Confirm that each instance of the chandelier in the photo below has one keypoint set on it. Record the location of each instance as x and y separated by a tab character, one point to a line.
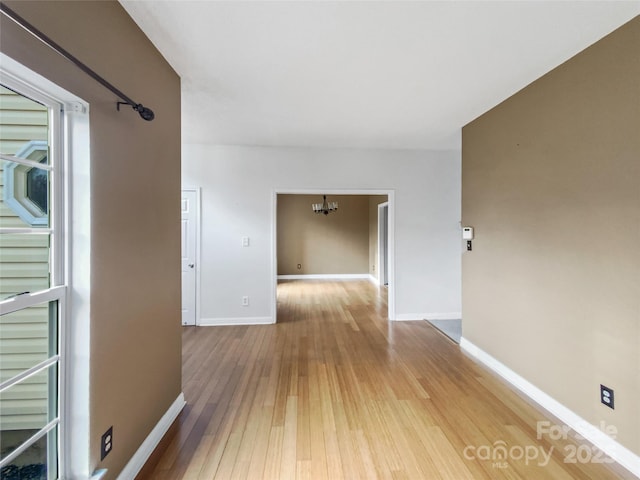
324	207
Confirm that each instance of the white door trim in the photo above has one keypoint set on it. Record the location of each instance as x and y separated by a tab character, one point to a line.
382	266
198	192
391	300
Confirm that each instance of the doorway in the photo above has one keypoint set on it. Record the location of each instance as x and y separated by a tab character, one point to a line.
387	249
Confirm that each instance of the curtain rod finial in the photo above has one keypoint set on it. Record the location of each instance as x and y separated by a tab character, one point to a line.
146	113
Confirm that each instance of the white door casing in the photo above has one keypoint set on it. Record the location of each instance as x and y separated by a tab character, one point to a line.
383	243
189	224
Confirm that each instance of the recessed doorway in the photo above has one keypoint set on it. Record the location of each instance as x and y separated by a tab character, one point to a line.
340	245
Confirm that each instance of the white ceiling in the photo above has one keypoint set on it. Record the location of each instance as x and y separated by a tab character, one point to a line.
360	74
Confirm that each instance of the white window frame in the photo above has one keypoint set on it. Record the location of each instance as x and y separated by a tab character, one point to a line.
70	254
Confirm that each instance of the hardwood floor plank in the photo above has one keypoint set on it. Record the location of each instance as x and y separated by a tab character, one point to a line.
336	391
228	457
325	420
386	453
261	443
351	463
288	464
397	433
274	454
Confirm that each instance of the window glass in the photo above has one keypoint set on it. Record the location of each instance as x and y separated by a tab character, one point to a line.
27	407
29	392
22	120
24	133
27	338
38	189
24	263
36	462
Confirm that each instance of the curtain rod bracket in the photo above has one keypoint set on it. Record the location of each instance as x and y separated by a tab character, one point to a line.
146	113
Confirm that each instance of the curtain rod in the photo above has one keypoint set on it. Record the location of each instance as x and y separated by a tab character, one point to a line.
145	113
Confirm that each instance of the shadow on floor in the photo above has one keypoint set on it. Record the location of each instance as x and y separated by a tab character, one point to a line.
451	328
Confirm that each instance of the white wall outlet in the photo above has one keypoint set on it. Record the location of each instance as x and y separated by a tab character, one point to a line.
245	301
245	241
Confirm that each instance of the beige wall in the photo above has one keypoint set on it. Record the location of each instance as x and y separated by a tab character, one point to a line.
337	243
135	186
374	201
550	183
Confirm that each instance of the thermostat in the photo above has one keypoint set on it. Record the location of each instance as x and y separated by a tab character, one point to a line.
467	233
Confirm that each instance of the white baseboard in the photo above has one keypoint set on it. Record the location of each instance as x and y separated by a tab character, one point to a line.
374	280
143	453
407	317
219	322
326	276
591	433
443	316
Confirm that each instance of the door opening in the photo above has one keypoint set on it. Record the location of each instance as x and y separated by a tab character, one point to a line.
292	266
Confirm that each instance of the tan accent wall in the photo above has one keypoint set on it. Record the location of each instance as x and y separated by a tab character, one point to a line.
374	201
337	243
550	181
135	199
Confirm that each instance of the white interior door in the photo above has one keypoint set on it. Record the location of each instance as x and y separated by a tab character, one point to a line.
189	215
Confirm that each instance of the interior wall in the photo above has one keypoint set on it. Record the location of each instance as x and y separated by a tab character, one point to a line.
550	183
135	363
236	204
337	243
374	201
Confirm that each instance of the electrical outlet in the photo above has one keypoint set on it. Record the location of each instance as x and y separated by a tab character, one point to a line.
106	443
245	301
606	396
299	266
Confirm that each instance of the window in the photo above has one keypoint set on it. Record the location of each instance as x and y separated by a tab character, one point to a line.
44	141
32	281
26	190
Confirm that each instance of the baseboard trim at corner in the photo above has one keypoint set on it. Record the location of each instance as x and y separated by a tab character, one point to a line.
143	453
374	280
443	316
221	322
589	432
408	317
326	276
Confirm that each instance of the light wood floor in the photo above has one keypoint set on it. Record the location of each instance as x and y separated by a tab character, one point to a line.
334	390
